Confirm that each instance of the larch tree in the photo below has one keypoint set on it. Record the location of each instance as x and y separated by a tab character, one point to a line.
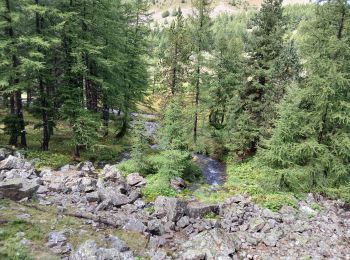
201	38
311	142
258	97
10	82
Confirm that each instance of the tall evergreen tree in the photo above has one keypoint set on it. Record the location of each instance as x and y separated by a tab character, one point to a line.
200	32
311	142
176	55
258	96
11	86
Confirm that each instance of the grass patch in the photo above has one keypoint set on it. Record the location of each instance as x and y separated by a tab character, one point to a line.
107	149
211	215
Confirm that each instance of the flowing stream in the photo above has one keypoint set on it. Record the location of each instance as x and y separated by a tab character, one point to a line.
214	172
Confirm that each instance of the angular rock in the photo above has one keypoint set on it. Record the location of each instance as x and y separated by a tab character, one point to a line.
111	172
155	227
57	242
183	222
12	162
17	189
86	167
4	153
212	244
135	225
87	184
178	183
135	179
172	208
118	244
199	210
113	197
256	224
92	197
90	251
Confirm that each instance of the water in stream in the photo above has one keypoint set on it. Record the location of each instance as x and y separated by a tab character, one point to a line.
214	172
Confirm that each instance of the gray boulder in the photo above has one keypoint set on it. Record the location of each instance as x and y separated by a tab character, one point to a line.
86	167
118	244
135	225
113	197
12	162
199	210
90	251
155	227
57	242
17	189
135	179
178	183
111	172
172	208
4	153
92	197
211	244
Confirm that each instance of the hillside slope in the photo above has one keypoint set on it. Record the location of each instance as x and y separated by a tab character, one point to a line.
159	7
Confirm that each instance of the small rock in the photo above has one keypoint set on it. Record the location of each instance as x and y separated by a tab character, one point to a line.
155	227
135	225
118	244
135	179
111	172
183	222
57	242
178	183
92	197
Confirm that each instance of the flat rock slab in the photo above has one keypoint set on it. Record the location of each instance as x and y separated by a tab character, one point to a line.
17	189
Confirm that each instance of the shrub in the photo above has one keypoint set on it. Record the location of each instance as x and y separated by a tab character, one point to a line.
157	185
171	163
165	14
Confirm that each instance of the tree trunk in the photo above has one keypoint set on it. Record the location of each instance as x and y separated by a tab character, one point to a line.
19	113
13	136
195	127
77	151
105	116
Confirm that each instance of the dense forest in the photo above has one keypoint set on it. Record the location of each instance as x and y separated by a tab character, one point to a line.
266	91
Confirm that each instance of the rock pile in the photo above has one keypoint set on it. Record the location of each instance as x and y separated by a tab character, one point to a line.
175	228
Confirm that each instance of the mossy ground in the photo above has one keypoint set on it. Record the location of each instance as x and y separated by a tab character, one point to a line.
107	149
37	227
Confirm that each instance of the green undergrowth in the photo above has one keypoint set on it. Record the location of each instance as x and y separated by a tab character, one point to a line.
41	223
263	185
106	149
159	168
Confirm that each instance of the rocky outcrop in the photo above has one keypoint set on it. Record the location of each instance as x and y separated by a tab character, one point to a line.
171	208
176	228
90	250
211	244
17	189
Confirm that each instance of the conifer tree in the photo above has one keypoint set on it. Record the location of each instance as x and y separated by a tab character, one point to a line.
311	142
258	97
176	55
200	32
10	82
